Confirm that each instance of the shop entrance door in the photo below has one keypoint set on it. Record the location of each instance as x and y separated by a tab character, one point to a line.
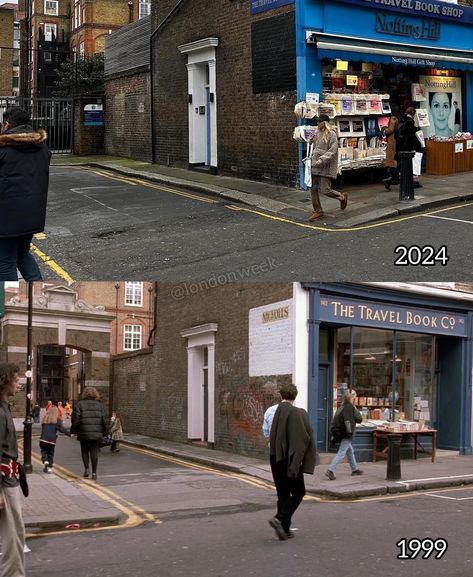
449	393
323	412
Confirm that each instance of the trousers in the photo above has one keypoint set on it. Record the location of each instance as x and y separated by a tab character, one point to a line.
15	254
12	534
290	491
325	185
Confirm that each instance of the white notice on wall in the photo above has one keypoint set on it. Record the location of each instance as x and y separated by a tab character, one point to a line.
458	146
271	339
469	144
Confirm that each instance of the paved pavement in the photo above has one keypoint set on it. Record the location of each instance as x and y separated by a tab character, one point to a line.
449	469
368	202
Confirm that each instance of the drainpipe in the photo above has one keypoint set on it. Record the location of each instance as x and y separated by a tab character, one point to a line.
152	333
151	66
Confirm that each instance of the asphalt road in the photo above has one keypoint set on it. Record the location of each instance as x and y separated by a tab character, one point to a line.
101	226
214	525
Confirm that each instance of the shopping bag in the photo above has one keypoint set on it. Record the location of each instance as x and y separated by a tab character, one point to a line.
417	164
308	166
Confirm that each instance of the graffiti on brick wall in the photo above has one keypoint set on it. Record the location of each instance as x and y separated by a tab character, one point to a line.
172	409
243	407
227	366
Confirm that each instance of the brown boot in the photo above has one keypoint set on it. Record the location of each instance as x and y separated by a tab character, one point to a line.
315	215
344	201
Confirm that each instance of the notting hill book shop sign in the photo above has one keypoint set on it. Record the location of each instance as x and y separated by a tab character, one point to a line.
459	13
386	316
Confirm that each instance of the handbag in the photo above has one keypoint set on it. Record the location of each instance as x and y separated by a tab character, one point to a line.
23	480
106	441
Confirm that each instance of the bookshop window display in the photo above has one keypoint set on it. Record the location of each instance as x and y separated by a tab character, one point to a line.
392	372
359	98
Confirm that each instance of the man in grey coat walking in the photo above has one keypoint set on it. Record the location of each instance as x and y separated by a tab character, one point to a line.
324	166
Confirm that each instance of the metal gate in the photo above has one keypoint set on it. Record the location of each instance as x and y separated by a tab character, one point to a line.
55	115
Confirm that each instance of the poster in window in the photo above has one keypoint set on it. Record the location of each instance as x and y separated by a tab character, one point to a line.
443	104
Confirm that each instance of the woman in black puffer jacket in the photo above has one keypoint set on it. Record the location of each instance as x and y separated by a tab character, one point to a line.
90	424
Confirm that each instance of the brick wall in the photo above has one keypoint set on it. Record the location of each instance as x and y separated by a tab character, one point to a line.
88	140
127	118
240	401
254	130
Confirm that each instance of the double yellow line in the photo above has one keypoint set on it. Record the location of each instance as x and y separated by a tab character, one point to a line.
133	514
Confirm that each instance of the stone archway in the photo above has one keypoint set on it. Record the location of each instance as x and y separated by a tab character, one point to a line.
60	320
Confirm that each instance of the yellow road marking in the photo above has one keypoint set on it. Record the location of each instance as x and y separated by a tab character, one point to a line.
138	181
52	264
351	229
135	515
40	236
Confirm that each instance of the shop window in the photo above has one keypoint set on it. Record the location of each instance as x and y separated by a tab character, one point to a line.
415	376
393	373
324	346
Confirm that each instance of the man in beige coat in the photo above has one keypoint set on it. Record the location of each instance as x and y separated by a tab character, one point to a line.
324	166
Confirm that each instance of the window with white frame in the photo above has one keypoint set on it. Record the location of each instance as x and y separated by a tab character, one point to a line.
51	7
131	337
50	30
134	294
144	8
81	49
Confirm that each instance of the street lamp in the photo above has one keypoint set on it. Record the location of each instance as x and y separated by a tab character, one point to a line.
28	421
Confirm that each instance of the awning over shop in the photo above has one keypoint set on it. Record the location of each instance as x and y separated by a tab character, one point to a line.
351	48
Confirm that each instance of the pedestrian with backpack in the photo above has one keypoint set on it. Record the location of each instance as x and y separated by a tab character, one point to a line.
342	428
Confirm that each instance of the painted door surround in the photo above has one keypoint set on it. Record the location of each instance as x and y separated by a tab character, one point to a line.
200	338
201	74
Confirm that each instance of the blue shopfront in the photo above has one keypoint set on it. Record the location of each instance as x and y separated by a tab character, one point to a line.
407	356
418	52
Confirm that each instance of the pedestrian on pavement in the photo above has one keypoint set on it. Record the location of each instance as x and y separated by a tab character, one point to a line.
390	162
407	140
35	413
60	411
12	530
291	454
348	416
116	432
324	166
49	404
24	180
68	408
89	423
51	425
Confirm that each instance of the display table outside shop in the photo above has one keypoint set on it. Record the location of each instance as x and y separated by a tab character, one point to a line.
445	157
369	162
378	434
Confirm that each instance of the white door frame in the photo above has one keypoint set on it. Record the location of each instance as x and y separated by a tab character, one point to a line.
201	54
198	338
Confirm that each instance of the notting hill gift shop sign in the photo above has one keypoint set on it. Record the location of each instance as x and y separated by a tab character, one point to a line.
443	10
386	316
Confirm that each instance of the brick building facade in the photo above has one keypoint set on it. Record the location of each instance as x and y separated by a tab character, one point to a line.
6	55
127	98
70	340
224	89
158	391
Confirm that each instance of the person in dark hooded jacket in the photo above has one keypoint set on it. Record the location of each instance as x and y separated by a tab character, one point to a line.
24	180
90	424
